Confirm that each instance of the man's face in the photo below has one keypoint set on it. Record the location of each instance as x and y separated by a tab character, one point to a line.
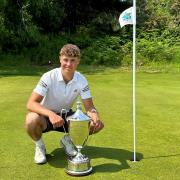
69	64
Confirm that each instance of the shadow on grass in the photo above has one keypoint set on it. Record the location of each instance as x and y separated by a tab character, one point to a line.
165	156
23	70
38	70
58	158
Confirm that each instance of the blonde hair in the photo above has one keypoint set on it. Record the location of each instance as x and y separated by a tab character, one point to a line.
70	50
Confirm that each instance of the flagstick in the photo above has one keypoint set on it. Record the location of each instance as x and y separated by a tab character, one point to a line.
134	78
129	17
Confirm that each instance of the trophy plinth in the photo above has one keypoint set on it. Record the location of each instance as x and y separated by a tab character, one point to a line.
79	165
78	132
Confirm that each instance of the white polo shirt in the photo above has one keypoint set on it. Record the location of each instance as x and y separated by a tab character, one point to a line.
57	94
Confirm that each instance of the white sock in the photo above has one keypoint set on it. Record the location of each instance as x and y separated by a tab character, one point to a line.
39	142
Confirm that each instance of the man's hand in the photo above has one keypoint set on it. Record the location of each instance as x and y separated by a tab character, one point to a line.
94	128
56	120
96	124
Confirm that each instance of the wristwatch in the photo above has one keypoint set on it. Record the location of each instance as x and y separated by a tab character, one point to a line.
93	110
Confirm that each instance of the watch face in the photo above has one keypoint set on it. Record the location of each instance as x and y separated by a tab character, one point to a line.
93	110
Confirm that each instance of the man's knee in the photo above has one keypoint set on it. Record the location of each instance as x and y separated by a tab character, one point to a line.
32	119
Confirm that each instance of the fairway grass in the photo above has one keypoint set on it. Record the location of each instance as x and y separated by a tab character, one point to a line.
158	134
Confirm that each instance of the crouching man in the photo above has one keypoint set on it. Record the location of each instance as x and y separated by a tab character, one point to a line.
58	89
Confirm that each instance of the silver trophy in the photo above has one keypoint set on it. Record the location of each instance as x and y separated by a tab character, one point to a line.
78	164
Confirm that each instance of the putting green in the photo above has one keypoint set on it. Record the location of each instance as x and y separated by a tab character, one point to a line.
158	123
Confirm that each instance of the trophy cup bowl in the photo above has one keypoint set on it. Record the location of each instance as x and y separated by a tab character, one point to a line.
78	132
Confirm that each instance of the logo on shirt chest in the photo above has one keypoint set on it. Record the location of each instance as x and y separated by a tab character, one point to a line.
75	91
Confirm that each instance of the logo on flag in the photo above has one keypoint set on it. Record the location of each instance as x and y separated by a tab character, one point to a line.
127	17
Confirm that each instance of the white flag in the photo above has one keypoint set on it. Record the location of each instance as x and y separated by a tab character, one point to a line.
127	17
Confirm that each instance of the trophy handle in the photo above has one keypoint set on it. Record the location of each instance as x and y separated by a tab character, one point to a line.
89	138
65	112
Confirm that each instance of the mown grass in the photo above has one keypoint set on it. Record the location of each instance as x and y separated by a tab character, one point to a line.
158	140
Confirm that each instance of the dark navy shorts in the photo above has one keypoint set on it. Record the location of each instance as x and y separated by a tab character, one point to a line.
60	129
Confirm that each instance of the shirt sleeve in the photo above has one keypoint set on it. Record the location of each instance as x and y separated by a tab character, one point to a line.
85	91
43	85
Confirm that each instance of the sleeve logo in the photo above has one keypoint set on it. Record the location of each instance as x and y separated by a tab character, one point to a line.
86	88
42	83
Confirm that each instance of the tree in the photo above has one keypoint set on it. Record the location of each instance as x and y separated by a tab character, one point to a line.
48	15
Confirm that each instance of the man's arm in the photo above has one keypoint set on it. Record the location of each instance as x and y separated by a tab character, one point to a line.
93	114
34	105
90	109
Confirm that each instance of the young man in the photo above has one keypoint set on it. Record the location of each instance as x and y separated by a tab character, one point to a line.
58	89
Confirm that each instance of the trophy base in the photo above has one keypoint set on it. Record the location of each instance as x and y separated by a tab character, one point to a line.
80	173
79	166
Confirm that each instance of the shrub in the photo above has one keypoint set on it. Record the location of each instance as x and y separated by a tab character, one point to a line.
105	51
155	50
149	50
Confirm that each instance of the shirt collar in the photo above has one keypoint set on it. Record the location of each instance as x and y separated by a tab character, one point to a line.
60	77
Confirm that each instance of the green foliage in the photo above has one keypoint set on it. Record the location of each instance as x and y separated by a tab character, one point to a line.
161	15
155	50
47	50
48	14
103	23
38	29
3	31
83	37
148	51
17	30
104	51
